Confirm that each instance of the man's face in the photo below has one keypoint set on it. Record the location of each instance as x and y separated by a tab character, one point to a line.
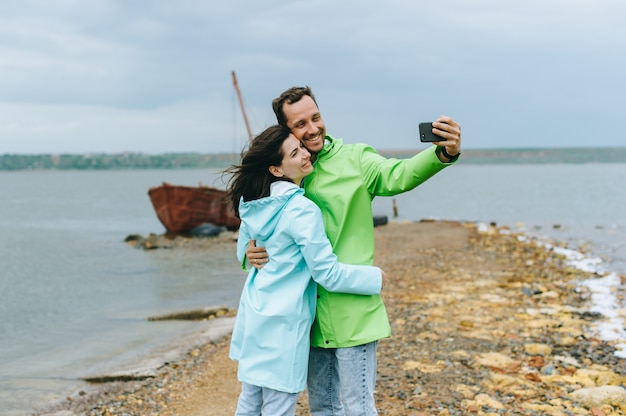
305	122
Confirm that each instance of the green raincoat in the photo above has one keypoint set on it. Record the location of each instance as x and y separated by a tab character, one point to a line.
343	184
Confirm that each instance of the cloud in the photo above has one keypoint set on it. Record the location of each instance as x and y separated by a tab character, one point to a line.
120	72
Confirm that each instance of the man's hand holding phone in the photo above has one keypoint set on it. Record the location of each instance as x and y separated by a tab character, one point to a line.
445	133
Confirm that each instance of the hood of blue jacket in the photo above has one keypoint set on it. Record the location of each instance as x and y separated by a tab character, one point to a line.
261	216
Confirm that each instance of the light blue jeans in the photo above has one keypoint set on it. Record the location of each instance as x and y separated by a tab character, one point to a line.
341	381
261	401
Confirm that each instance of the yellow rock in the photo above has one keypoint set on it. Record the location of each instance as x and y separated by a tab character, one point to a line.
494	359
543	323
485	400
584	380
569	321
424	367
569	380
429	336
504	380
599	396
558	403
550	295
538	349
567	360
543	311
571	329
601	377
411	365
468	392
544	408
524	392
460	354
493	298
567	340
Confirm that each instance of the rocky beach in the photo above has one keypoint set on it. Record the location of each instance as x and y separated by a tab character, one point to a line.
484	322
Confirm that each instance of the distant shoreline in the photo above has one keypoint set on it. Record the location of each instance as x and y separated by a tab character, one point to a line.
128	160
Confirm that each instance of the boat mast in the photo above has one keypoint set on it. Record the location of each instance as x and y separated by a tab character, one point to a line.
243	110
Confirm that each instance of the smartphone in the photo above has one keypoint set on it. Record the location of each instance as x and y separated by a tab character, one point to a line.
427	135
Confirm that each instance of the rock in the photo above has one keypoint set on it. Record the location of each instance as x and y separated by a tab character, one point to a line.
548	370
206	230
151	242
193	315
601	376
496	360
538	349
599	396
380	220
485	400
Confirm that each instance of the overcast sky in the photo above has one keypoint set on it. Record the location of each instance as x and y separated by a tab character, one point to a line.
155	76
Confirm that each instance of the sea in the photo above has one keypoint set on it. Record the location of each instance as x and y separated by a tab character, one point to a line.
74	297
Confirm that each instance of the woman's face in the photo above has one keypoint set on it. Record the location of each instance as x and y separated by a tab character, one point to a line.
296	163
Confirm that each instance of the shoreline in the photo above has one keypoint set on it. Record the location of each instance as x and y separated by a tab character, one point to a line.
480	320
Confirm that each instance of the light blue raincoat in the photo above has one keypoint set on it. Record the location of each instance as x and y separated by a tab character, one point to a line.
271	337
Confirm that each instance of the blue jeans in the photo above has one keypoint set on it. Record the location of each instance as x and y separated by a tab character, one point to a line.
257	401
341	381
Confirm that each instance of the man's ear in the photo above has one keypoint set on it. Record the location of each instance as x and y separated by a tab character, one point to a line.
276	171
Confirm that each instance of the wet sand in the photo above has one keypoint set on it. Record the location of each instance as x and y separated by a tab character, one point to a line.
482	323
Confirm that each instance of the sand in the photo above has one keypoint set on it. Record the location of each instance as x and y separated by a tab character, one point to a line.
482	322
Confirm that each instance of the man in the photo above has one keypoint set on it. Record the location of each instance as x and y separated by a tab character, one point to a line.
345	334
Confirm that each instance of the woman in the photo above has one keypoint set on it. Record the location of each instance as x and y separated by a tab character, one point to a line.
271	334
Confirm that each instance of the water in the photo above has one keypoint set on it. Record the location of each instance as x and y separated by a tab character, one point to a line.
580	204
74	296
